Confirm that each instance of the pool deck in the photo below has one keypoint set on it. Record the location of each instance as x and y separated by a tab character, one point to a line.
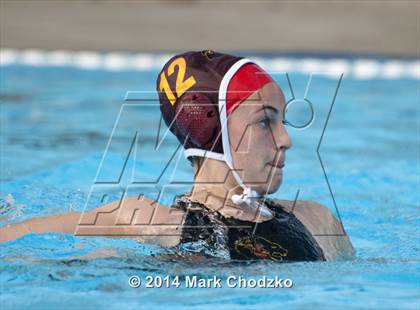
372	27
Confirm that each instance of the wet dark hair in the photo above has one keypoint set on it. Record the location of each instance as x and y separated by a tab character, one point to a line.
195	160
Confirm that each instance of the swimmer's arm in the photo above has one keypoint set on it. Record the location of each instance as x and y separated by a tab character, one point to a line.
159	224
57	223
323	225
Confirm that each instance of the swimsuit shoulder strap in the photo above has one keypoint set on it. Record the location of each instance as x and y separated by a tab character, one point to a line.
275	206
182	202
203	230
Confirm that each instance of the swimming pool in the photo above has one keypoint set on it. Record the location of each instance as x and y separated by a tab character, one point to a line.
55	125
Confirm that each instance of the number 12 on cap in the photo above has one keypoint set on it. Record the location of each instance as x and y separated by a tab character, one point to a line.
181	85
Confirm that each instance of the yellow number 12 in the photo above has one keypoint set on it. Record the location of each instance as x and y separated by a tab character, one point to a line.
181	85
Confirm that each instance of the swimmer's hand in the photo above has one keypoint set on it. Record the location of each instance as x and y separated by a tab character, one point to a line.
136	218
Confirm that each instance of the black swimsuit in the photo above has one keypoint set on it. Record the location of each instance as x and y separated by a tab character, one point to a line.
283	238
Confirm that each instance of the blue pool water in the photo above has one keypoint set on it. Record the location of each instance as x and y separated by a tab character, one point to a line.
55	126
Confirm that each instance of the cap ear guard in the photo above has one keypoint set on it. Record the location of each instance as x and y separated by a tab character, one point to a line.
197	119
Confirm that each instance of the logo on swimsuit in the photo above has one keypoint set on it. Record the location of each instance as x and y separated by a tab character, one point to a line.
260	247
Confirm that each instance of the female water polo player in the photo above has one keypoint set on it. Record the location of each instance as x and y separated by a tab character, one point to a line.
228	114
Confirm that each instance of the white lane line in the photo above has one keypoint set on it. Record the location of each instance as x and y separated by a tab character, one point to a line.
361	69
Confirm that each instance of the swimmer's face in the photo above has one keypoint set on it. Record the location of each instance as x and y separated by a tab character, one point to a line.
259	139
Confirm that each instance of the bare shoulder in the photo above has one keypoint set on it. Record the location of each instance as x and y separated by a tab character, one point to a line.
323	225
139	218
138	210
313	212
303	206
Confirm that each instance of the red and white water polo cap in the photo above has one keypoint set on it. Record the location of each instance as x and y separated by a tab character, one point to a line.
197	92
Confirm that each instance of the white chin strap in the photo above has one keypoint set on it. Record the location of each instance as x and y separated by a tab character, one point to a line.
248	195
